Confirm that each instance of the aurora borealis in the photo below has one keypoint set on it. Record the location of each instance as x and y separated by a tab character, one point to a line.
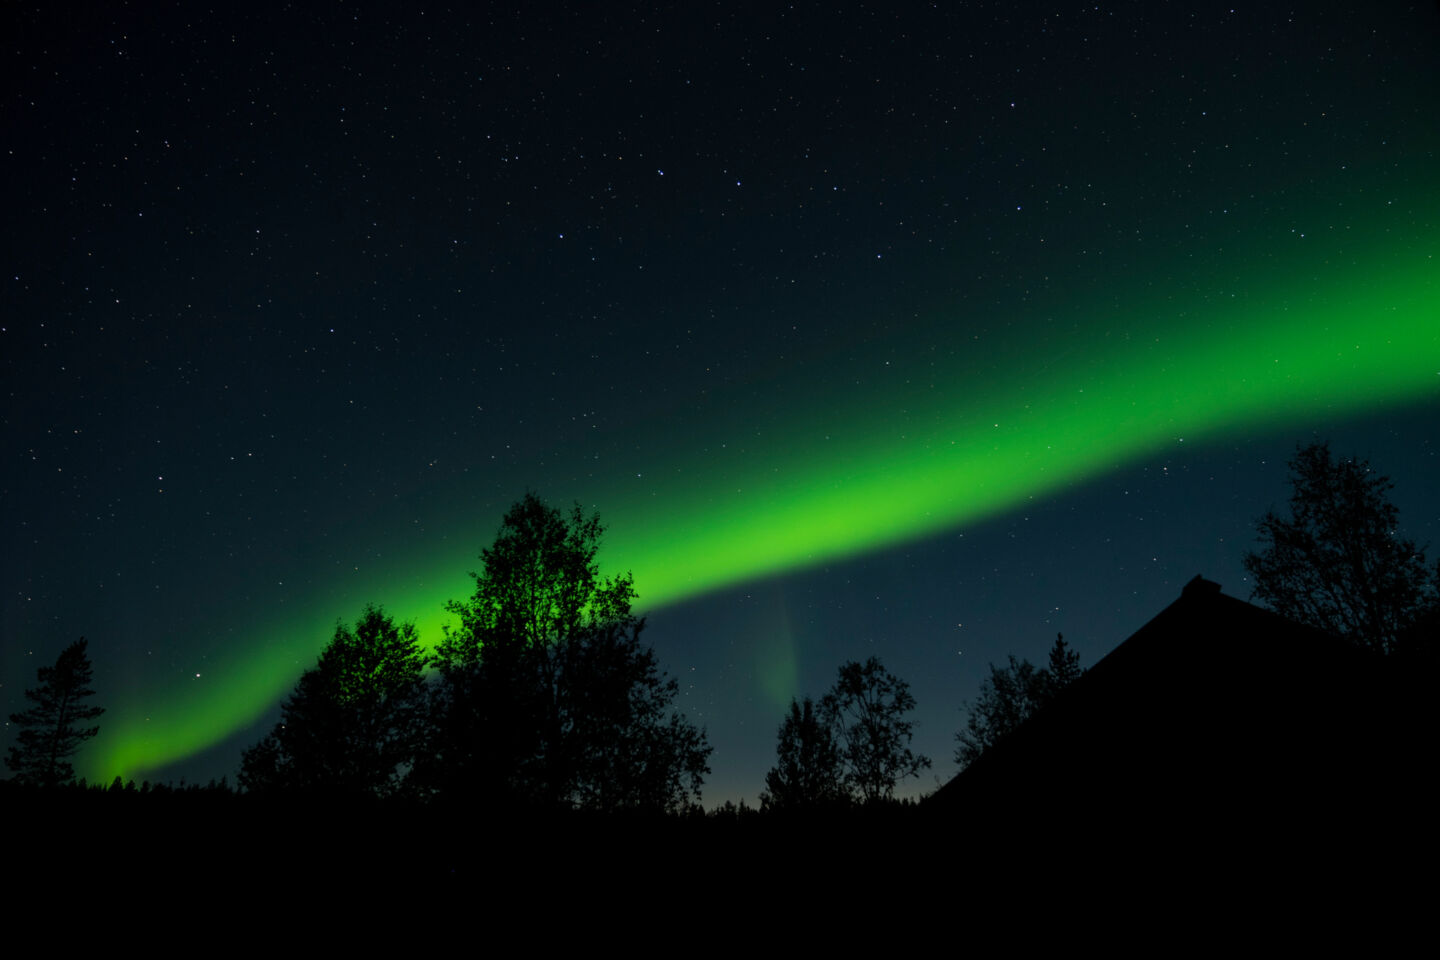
1012	318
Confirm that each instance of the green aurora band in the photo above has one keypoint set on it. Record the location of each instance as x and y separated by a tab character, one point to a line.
1337	340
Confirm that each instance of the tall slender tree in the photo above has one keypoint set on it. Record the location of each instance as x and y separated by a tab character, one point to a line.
807	774
1064	666
867	710
55	727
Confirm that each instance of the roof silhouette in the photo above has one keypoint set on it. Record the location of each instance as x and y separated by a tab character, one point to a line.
1215	713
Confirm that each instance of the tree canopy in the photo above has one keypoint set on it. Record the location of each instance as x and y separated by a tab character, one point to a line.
1010	696
866	710
54	728
1338	563
808	774
355	724
549	698
539	585
626	748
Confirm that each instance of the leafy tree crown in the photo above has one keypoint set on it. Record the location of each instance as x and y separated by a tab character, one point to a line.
539	584
549	699
1010	696
808	774
1338	563
867	710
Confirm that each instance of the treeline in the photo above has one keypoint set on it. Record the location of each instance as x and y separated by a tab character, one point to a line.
544	700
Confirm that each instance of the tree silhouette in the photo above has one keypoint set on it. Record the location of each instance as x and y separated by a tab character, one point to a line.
866	712
52	730
808	774
540	586
548	696
1064	667
1337	563
624	747
355	723
1010	696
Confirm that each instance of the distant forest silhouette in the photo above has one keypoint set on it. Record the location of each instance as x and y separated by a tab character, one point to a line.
543	726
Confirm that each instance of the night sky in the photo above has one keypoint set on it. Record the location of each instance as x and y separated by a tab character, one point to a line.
917	331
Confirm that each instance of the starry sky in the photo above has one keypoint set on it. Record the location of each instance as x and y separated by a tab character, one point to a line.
922	331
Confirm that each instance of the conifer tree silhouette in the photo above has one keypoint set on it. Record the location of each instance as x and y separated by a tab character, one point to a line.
355	723
53	729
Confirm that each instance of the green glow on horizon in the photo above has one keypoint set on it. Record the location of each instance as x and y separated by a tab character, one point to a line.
1359	339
